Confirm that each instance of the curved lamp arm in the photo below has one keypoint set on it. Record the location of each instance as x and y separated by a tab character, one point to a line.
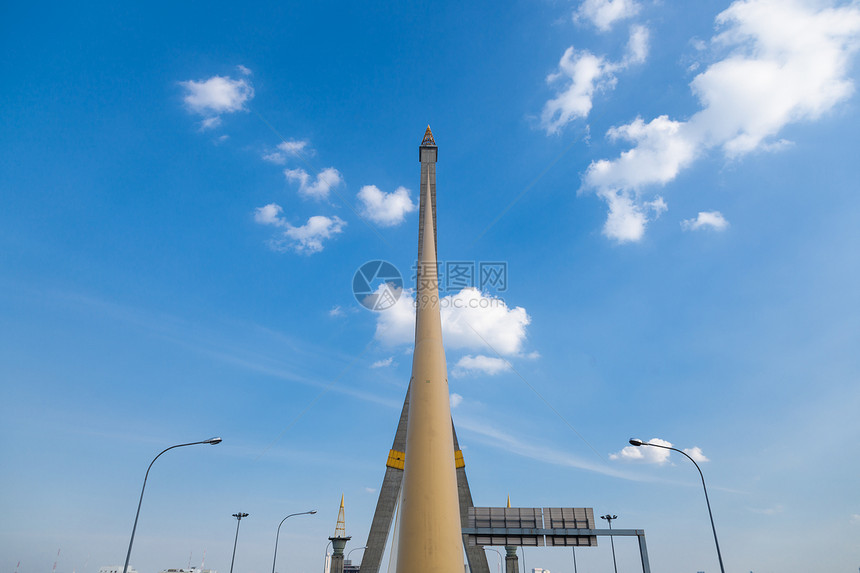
212	441
636	442
278	534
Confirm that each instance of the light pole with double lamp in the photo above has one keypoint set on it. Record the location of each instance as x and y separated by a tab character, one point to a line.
609	519
311	512
636	442
238	517
212	441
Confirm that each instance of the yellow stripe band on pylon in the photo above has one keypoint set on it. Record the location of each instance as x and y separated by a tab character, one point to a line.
396	459
458	459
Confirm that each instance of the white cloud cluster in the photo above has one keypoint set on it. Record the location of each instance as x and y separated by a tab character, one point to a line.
385	363
307	239
319	187
385	209
489	365
788	61
644	453
584	74
216	96
706	220
455	400
471	320
287	149
655	455
604	13
696	454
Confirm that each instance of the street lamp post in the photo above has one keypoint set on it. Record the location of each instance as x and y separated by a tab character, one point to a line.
238	517
311	512
499	553
325	560
636	442
609	519
354	549
212	441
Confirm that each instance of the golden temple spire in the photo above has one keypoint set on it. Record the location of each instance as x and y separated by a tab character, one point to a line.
428	138
340	528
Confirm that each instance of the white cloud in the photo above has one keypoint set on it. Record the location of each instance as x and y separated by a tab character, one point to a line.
396	325
644	453
479	364
244	71
307	239
270	215
336	311
319	188
275	157
584	74
293	146
370	489
696	454
455	400
604	13
210	123
706	220
385	209
627	217
217	95
637	46
383	363
787	61
855	518
470	321
286	149
473	320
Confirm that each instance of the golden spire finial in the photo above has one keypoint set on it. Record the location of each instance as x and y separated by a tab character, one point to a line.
509	501
428	137
340	528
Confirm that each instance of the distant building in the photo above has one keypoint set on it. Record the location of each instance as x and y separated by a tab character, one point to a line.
192	570
348	567
539	570
116	569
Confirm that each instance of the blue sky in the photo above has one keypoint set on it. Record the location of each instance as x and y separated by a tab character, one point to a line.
187	190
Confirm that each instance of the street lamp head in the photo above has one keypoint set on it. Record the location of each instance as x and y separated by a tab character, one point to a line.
636	442
313	511
213	441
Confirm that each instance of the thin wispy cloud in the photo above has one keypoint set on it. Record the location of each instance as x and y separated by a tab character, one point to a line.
786	61
384	363
489	435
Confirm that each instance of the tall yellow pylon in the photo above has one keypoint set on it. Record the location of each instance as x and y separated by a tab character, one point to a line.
430	535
